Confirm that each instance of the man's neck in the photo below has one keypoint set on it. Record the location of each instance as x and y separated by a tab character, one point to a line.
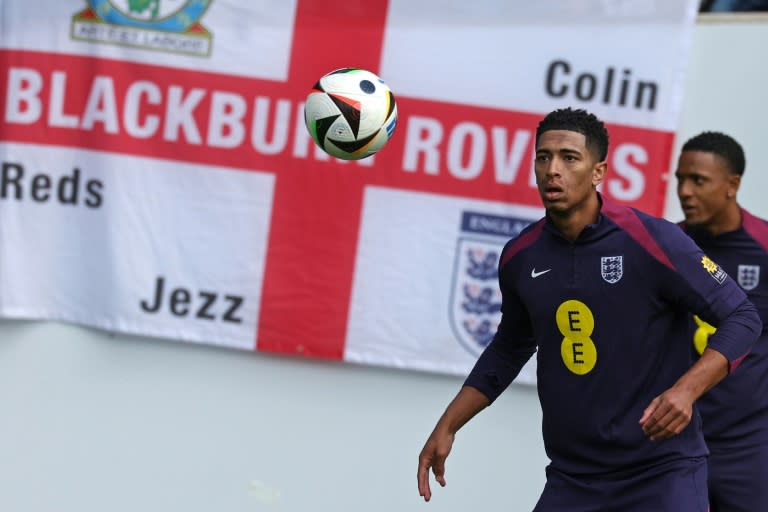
730	220
571	223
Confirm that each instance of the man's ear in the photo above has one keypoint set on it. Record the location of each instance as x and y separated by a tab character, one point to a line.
734	181
598	172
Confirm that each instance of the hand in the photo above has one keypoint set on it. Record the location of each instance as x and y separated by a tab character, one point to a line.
667	414
433	456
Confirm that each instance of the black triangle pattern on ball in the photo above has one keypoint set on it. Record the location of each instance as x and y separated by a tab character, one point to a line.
322	125
391	104
342	70
350	113
353	145
318	86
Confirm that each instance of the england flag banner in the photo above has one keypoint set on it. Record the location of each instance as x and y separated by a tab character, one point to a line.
157	177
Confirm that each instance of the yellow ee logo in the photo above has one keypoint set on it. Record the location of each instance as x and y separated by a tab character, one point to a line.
576	323
701	336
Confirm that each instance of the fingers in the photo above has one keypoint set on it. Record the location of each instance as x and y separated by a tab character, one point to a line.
662	419
439	470
648	412
422	478
656	427
433	457
437	464
674	427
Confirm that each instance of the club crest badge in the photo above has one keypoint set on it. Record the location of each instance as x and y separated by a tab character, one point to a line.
475	303
164	25
612	268
748	276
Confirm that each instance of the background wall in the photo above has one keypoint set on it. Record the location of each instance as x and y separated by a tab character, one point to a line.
726	91
100	422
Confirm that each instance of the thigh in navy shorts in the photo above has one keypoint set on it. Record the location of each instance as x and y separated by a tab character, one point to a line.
679	486
738	478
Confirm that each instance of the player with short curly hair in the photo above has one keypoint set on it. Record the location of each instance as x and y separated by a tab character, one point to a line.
602	293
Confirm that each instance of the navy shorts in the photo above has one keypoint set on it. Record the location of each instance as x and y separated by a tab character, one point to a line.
679	486
738	478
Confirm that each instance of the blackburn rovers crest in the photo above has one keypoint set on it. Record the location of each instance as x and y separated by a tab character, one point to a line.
165	25
612	268
748	276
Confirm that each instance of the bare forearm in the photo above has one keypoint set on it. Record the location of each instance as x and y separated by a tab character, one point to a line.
710	369
467	403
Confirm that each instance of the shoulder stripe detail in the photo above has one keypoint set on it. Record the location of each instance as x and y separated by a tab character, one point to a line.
523	241
756	227
626	218
732	365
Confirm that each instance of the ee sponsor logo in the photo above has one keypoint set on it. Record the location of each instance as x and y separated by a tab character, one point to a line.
576	323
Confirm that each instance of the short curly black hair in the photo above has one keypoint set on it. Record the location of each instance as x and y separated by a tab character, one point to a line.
723	146
581	121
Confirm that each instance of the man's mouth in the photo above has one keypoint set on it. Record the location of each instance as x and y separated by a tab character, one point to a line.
552	191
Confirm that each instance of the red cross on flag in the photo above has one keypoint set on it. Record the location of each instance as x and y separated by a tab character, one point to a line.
157	177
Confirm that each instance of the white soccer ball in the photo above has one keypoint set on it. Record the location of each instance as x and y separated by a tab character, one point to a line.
350	113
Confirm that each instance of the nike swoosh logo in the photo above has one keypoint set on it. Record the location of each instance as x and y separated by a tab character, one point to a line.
535	274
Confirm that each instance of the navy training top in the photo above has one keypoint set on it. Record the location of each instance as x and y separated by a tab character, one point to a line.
736	410
608	314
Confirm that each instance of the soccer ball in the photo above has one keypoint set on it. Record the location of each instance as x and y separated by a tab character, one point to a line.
350	113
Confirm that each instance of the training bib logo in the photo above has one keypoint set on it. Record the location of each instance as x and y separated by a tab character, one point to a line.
165	25
576	323
717	273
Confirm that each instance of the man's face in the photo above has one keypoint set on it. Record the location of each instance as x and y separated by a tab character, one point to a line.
566	171
705	187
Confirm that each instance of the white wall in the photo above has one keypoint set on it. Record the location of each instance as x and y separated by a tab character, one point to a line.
94	422
727	91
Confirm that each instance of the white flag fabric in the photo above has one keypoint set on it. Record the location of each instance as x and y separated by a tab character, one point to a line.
156	176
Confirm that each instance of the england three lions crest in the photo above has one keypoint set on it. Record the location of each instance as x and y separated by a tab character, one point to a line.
612	268
475	302
475	295
748	276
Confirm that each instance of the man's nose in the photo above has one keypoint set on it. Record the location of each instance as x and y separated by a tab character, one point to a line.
555	167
